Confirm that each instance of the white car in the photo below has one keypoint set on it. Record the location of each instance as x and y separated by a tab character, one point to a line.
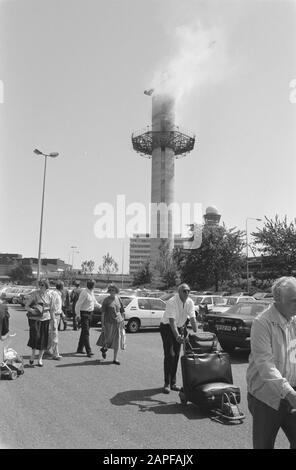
207	300
142	312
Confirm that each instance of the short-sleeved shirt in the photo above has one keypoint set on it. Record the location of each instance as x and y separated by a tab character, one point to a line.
179	311
40	298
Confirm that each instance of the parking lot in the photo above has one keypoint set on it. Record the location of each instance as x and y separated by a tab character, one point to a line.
89	403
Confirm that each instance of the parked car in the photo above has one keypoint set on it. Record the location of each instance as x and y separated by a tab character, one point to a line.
97	313
234	326
206	300
10	293
25	295
19	296
142	312
167	295
230	301
263	295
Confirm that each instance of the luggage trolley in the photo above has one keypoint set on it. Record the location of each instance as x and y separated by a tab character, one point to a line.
207	379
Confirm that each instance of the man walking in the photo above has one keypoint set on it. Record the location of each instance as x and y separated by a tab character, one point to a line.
172	326
271	375
83	309
56	312
73	298
65	308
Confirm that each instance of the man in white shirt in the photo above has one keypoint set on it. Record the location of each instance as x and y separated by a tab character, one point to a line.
271	375
179	308
56	312
83	309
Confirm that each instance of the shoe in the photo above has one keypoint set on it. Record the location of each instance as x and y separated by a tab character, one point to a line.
103	351
57	358
40	364
31	362
90	354
116	362
175	388
166	389
79	352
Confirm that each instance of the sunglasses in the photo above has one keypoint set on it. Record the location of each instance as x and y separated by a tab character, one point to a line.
186	291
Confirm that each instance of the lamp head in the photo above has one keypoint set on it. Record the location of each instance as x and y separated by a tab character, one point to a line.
38	152
53	154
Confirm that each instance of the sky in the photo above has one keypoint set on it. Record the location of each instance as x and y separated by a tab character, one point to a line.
73	73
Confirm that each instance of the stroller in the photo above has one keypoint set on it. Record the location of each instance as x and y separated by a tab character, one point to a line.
12	364
207	378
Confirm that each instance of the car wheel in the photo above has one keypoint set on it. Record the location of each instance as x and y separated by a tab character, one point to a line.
227	347
133	325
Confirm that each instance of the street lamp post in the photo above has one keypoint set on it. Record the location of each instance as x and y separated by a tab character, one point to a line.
247	252
52	155
122	263
73	248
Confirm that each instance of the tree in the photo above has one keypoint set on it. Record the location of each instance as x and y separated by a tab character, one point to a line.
143	276
166	268
109	266
87	266
217	261
276	241
22	274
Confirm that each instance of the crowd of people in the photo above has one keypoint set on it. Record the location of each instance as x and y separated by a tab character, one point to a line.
47	312
271	374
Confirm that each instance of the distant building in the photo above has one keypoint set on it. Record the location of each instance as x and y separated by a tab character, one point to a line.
8	261
49	266
140	250
140	244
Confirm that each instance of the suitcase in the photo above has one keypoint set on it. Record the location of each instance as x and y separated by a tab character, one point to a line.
201	342
208	383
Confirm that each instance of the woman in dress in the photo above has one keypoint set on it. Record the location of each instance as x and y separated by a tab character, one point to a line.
38	307
112	323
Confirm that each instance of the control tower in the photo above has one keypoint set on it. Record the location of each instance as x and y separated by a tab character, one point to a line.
162	142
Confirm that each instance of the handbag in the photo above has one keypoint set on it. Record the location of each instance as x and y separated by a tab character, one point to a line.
101	339
37	310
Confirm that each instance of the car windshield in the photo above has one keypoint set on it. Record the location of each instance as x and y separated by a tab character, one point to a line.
167	296
126	300
100	297
231	301
198	300
247	309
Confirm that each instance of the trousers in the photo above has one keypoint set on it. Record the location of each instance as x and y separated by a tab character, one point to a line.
267	421
84	334
171	349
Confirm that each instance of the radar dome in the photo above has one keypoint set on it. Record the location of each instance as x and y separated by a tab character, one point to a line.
212	210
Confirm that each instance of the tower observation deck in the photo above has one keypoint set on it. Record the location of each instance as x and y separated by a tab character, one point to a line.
178	140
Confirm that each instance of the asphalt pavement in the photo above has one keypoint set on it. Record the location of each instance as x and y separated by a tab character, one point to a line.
90	403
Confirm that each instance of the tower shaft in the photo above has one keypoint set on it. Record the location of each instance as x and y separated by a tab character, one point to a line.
162	174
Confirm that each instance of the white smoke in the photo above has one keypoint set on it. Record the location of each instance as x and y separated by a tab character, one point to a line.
200	57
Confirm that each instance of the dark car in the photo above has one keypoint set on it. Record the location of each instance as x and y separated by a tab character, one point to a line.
97	313
233	327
